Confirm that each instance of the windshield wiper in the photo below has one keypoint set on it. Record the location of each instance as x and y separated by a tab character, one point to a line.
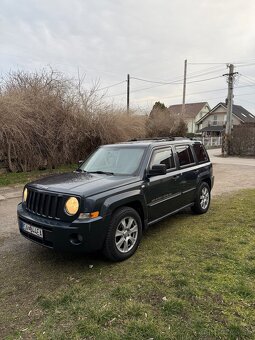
101	172
80	170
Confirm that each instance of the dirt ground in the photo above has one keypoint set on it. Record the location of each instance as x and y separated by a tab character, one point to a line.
231	173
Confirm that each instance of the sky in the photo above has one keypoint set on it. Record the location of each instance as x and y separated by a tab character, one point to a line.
149	39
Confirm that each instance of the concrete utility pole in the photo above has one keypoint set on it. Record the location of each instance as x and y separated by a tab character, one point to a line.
184	87
230	80
128	91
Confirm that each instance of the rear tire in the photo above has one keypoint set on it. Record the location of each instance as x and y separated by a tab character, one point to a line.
203	199
124	234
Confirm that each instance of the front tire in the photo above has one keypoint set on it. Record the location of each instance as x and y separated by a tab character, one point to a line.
124	234
203	199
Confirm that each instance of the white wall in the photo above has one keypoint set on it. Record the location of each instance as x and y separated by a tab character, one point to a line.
221	116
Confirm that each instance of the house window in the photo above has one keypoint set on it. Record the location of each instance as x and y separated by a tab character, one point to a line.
215	120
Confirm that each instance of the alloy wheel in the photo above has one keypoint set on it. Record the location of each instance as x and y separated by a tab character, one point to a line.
126	234
204	198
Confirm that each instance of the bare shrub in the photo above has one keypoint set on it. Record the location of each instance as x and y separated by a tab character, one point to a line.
162	123
243	140
35	114
47	120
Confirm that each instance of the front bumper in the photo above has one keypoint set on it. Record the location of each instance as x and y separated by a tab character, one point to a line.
60	235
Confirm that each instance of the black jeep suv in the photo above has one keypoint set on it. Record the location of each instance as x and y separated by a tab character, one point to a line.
114	195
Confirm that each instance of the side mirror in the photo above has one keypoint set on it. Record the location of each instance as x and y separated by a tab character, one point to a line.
157	169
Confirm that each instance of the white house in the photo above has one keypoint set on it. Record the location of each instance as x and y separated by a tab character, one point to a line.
192	114
213	123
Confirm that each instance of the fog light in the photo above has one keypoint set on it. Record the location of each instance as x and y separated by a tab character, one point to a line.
76	239
79	237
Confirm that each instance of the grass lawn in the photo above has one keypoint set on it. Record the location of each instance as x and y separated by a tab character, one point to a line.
13	178
192	278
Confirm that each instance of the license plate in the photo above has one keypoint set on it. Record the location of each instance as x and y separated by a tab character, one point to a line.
33	230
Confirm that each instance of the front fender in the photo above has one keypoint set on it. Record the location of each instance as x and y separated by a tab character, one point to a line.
122	199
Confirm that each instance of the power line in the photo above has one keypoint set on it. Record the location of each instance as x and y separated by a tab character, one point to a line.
173	83
176	96
251	80
217	69
225	63
208	63
162	83
108	87
117	95
178	82
198	81
245	65
244	94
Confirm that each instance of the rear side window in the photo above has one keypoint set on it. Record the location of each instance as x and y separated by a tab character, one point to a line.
164	156
200	153
185	155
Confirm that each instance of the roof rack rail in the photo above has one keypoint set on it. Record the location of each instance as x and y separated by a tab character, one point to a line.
157	139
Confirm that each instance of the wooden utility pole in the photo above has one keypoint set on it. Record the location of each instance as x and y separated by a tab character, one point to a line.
184	87
128	91
230	81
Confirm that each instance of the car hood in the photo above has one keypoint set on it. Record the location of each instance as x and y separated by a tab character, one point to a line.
84	184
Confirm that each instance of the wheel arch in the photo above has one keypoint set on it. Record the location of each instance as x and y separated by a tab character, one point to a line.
208	181
135	201
138	207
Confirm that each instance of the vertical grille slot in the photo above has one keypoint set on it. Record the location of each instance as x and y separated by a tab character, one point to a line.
53	209
33	201
47	205
37	202
29	199
44	204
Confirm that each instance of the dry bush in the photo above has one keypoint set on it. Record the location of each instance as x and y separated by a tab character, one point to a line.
34	117
47	120
162	123
243	140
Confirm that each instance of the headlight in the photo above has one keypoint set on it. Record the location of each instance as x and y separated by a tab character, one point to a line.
72	206
25	193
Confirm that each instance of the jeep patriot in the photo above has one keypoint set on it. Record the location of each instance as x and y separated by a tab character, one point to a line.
115	195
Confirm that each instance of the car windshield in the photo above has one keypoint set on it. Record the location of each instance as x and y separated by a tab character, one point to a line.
114	160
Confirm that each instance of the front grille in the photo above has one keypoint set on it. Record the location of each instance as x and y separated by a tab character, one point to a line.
44	204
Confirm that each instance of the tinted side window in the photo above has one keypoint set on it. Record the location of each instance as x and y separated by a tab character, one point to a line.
200	153
164	156
185	155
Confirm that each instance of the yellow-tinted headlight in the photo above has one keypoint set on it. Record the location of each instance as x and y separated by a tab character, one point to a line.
25	193
72	206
